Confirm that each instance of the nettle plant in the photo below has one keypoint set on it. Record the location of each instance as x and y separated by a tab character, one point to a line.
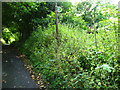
104	74
104	68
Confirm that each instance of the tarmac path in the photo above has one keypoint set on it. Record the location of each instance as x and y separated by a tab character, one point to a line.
14	74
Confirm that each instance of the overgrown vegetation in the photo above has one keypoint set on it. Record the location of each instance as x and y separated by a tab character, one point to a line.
86	53
74	62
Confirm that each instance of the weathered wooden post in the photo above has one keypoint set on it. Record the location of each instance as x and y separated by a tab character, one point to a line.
56	12
56	17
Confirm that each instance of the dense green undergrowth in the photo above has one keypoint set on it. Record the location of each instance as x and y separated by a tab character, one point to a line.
76	60
82	57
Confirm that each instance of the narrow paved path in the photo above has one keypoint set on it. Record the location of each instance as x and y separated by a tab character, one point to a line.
14	74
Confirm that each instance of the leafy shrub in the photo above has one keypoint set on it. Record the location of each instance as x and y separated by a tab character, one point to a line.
73	20
72	62
9	35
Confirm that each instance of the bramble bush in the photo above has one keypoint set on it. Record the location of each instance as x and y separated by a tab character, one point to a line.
74	61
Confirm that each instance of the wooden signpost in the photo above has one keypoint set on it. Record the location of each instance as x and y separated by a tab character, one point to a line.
56	12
